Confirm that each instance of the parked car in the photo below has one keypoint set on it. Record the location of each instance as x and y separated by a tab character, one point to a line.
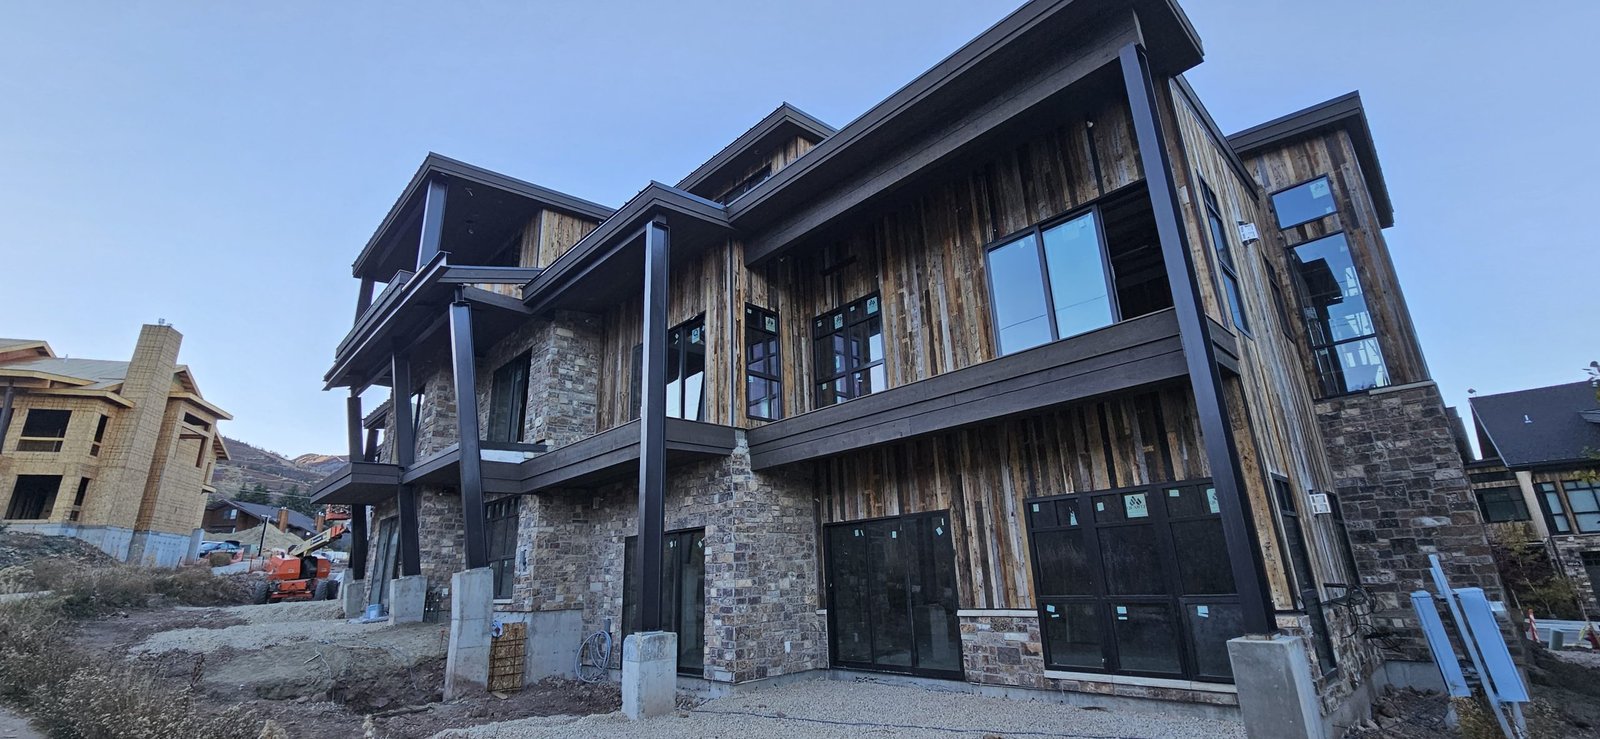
207	547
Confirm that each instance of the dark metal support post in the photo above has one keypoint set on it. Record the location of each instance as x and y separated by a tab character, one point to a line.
364	298
5	413
358	513
372	453
464	367
653	428
405	452
432	221
1205	375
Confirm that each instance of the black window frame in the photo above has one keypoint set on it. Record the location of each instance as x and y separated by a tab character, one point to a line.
1512	497
1036	232
1228	271
677	357
1297	546
1041	519
1272	197
508	400
503	517
1554	506
847	322
671	590
42	437
1592	489
761	327
1320	342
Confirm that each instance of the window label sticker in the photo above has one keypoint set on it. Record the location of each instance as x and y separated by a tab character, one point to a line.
894	534
1319	189
1072	518
1035	507
872	306
1050	609
838	321
1211	500
1174	493
772	324
938	531
1122	613
1202	611
1099	505
1135	505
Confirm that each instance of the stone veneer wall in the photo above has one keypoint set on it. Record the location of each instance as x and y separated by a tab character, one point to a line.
563	377
1570	549
760	551
1404	492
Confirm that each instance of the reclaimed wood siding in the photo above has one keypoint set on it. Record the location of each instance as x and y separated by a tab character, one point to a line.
698	284
549	234
983	474
778	158
1333	154
925	253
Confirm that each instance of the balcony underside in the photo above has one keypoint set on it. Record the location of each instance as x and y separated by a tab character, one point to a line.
1134	353
609	456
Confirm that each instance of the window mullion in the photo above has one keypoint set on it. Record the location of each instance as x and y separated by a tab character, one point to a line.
1044	278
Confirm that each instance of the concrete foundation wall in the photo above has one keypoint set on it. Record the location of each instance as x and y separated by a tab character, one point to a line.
159	548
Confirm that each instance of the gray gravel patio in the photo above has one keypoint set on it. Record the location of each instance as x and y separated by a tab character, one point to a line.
839	708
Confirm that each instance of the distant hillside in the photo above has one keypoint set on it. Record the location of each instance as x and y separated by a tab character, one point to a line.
250	466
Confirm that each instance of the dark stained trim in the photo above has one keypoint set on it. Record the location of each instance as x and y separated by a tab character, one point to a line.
405	452
1199	352
404	208
1134	353
623	228
1220	139
469	275
356	483
1344	112
464	372
652	524
939	141
611	455
433	204
781	123
358	541
378	310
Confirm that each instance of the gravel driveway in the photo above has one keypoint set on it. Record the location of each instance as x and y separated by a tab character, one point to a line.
837	708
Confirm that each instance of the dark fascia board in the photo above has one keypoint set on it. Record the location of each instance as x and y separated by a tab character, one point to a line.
617	447
1343	112
1163	23
1217	136
785	121
615	232
438	164
357	482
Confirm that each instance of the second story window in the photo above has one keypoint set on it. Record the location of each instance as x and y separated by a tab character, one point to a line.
1224	249
763	382
1303	203
419	400
1581	511
1050	284
849	352
44	430
99	436
1343	339
686	371
508	400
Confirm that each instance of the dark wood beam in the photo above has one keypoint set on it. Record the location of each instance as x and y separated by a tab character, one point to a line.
464	367
364	298
1205	376
432	221
405	452
653	427
358	513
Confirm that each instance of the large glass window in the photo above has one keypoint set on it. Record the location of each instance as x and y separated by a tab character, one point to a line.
1305	202
508	400
1224	248
892	595
1554	509
1135	581
44	430
1051	283
849	352
502	520
1583	498
763	382
686	370
1338	324
1502	504
683	594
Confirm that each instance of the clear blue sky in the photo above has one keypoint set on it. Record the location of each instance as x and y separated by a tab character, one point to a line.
219	165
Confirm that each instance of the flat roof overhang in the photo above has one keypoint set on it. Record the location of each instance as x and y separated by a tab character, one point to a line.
357	483
1135	353
1343	112
482	208
607	266
967	101
412	316
613	455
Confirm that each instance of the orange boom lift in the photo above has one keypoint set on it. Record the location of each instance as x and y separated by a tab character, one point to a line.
301	574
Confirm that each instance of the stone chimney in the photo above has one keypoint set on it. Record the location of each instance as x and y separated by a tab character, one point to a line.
131	448
283	519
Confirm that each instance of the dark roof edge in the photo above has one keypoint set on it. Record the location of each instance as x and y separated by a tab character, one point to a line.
784	115
439	164
1344	111
952	67
621	225
1215	131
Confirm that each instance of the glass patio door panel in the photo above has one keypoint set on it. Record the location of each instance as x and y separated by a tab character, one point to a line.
683	594
892	595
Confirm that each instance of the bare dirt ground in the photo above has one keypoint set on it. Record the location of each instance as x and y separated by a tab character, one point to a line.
306	669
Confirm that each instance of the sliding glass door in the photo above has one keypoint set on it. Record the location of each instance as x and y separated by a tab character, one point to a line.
892	595
683	595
